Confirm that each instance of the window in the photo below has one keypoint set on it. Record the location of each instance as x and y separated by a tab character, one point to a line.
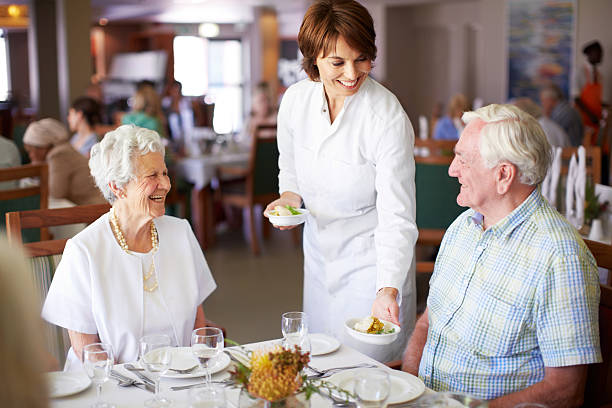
212	68
4	79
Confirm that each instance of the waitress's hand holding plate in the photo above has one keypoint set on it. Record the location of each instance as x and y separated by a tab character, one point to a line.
286	216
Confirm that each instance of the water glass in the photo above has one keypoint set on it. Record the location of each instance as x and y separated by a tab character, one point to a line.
156	358
372	388
98	361
206	344
294	326
211	396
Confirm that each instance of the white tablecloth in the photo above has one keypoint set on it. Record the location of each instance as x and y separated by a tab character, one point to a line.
201	170
135	397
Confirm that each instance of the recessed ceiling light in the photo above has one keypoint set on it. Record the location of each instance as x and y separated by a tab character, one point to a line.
208	30
13	10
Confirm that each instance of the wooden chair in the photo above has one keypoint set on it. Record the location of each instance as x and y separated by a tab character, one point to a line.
593	161
255	184
598	390
28	198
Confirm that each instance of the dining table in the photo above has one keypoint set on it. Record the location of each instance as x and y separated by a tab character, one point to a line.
135	397
200	170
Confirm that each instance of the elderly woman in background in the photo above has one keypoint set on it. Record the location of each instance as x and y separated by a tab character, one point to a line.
450	126
46	140
134	271
22	355
83	115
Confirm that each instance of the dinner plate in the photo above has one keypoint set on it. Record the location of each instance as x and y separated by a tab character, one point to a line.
288	220
183	358
379	339
404	387
322	344
64	383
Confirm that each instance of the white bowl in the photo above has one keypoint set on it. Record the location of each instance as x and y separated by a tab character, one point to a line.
370	338
288	220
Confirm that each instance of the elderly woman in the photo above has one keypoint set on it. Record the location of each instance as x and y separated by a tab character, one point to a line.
450	126
345	148
46	140
134	271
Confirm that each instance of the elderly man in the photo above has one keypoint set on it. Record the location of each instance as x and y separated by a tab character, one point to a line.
557	109
513	300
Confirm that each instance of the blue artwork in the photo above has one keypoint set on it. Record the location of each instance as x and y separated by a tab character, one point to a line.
540	45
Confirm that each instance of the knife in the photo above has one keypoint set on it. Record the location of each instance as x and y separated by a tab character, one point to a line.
197	385
143	386
144	378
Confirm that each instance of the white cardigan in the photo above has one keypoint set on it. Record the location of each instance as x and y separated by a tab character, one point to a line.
98	287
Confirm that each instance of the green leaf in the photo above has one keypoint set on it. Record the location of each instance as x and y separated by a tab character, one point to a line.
293	210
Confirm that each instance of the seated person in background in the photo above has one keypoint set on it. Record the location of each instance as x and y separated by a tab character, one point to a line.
134	271
179	113
146	110
83	115
513	300
450	126
22	354
263	111
46	140
557	109
9	157
554	133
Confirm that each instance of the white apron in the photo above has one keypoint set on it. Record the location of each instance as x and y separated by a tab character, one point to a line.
356	177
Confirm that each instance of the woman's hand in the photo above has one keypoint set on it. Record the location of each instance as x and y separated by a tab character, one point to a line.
385	305
287	198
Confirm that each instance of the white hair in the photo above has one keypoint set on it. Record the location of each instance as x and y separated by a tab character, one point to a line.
112	160
514	136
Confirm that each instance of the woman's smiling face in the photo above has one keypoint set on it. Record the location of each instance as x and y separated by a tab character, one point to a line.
146	194
343	70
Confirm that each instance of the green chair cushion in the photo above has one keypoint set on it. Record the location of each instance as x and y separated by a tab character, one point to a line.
436	195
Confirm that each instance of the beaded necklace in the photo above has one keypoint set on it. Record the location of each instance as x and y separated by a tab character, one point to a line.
123	244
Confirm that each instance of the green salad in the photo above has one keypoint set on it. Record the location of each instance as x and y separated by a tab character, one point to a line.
284	211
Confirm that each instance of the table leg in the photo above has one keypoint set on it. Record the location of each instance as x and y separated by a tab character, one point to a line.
202	216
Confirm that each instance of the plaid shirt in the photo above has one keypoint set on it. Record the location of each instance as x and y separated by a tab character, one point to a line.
507	301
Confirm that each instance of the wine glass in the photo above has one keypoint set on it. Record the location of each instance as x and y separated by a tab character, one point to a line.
294	326
98	361
372	388
206	344
212	396
156	357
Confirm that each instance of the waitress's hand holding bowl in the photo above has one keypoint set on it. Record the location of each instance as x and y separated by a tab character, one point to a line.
287	198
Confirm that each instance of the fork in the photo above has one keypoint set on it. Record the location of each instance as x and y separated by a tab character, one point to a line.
184	370
330	371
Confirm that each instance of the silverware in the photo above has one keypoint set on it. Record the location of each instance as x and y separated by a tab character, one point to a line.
331	371
227	382
138	374
234	358
338	401
185	370
124	381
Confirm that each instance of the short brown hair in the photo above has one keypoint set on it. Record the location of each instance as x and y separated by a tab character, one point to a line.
325	21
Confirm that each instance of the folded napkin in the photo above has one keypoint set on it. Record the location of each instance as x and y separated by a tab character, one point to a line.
580	186
570	190
423	128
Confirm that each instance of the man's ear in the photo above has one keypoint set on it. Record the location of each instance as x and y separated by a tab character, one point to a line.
505	175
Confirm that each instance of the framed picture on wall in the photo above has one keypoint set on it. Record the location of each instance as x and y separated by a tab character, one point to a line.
540	45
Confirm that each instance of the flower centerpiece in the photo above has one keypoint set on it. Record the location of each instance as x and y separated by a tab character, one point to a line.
274	378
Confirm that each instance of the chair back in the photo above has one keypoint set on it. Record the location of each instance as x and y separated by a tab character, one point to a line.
46	256
264	161
27	198
598	390
593	161
18	220
436	193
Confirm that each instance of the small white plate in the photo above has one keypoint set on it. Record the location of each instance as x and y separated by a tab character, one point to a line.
62	384
183	358
288	220
322	344
379	339
404	387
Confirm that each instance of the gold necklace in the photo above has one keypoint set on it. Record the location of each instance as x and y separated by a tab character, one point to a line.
123	244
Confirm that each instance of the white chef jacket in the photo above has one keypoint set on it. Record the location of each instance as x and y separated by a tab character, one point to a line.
356	177
98	287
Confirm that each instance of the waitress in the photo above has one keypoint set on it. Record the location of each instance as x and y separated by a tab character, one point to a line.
346	154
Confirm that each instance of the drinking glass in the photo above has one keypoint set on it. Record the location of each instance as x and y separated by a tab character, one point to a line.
212	396
156	357
372	388
98	361
294	326
206	344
